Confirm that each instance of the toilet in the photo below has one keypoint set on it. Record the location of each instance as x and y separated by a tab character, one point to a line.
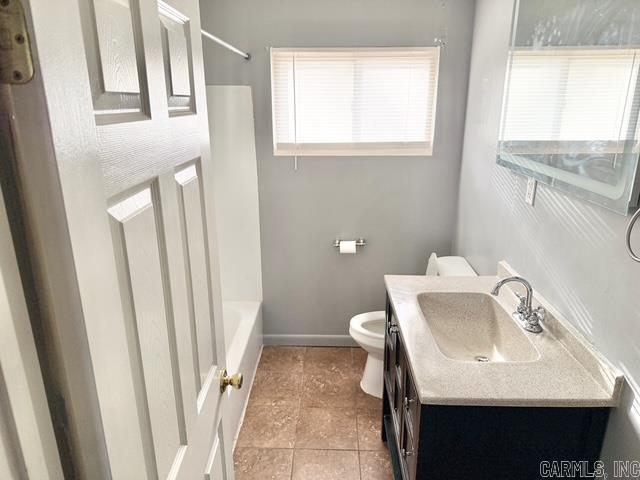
367	329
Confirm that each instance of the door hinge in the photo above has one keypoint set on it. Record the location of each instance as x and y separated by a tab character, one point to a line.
16	64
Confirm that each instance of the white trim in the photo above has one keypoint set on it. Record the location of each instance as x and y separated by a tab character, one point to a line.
171	13
311	340
27	439
372	50
392	149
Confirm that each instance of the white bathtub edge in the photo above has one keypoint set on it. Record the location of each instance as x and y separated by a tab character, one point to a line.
246	401
249	344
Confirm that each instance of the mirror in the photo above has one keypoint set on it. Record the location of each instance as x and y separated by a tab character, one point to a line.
572	98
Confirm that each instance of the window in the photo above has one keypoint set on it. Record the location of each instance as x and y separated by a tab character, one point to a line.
364	101
568	101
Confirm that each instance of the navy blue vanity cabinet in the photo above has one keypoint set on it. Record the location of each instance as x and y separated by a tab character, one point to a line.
451	442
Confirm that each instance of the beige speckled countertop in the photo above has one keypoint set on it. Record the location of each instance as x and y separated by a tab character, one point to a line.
568	373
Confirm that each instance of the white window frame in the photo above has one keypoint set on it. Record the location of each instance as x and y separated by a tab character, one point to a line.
359	148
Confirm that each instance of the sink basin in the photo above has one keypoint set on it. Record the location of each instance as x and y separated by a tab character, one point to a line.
474	327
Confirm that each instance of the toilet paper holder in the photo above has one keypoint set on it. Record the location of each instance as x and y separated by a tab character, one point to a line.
361	242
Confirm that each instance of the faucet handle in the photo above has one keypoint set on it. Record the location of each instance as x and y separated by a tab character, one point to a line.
532	320
540	313
522	304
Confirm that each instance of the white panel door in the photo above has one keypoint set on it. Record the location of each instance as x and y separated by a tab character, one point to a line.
115	170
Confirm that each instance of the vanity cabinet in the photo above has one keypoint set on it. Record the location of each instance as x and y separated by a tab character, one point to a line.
456	442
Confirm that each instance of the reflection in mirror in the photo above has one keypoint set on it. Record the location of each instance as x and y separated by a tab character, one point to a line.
572	98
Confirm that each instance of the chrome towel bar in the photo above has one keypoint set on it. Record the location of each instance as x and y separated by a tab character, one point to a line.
632	222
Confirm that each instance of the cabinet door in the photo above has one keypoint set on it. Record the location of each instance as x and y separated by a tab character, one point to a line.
408	450
411	403
397	397
393	370
411	424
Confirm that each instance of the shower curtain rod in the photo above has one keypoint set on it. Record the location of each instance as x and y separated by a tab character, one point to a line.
226	45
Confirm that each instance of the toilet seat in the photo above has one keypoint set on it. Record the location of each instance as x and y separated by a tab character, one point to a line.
368	328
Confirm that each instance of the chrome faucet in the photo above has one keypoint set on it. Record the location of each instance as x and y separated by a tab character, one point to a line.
525	314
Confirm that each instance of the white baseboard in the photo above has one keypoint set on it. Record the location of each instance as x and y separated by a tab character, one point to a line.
310	340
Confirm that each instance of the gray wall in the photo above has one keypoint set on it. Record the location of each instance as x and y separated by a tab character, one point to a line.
404	206
573	252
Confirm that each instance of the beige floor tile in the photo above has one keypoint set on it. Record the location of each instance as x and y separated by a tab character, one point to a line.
325	465
273	386
267	426
263	463
310	398
323	360
375	466
366	401
329	389
327	428
369	427
282	359
279	402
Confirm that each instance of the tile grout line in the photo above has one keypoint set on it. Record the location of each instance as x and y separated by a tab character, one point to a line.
295	437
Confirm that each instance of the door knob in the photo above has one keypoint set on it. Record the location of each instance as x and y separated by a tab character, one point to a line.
234	381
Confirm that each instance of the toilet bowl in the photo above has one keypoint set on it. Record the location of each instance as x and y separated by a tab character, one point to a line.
367	329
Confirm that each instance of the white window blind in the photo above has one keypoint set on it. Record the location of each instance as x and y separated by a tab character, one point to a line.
567	100
366	101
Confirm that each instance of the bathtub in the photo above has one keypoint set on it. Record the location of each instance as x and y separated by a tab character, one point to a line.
243	342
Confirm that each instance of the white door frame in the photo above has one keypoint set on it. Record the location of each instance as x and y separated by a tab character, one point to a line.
28	446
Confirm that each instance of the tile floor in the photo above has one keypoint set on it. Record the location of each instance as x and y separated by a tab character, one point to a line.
308	419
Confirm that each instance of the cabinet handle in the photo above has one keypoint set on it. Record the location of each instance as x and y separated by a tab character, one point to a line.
408	401
406	453
393	329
